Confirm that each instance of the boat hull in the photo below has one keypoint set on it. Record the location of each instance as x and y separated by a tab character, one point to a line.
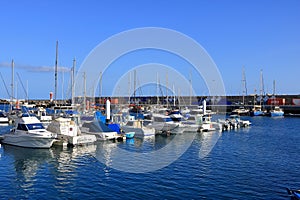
139	132
104	135
4	120
179	129
163	126
207	127
276	114
257	113
28	141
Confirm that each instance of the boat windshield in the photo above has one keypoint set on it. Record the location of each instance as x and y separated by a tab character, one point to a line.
35	126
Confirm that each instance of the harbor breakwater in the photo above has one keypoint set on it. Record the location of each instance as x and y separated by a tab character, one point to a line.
289	103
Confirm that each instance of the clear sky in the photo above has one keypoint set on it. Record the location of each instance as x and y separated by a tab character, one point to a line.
251	34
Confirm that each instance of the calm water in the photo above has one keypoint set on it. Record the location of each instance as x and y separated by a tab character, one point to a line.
253	163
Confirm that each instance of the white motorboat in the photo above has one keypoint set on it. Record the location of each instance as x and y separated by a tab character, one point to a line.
183	125
137	126
162	123
234	122
240	111
3	117
206	124
68	132
29	132
242	123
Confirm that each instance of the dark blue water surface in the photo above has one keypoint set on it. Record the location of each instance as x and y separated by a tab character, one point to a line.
252	163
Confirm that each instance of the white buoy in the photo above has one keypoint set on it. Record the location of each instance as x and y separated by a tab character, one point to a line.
204	106
107	109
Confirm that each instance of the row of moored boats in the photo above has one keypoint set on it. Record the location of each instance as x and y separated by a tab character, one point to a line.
258	110
39	129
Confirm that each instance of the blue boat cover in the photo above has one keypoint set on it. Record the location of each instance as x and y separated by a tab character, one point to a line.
100	117
115	127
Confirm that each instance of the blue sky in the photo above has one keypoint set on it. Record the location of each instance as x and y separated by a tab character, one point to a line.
251	34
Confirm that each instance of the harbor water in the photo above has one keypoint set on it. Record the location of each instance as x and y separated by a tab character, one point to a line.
258	162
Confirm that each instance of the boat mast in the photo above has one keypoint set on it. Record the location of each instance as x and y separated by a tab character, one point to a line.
84	91
274	99
55	75
100	87
190	88
12	81
261	87
174	97
244	83
274	88
62	85
129	86
134	84
157	98
178	96
73	81
167	89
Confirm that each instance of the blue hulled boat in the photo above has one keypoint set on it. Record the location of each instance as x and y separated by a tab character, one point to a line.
257	111
276	112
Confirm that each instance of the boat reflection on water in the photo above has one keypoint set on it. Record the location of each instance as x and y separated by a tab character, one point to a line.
27	162
146	155
68	163
57	163
104	154
130	141
207	142
66	155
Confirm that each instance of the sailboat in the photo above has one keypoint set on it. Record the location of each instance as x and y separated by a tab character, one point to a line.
257	109
276	111
242	110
